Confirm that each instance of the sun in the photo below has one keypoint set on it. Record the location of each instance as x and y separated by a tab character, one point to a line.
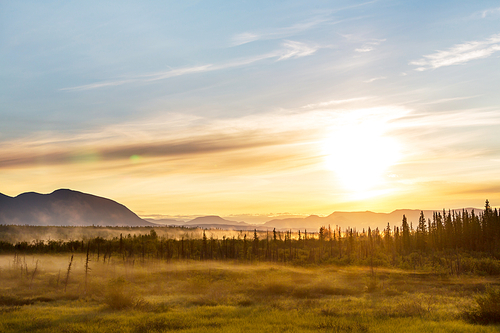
360	154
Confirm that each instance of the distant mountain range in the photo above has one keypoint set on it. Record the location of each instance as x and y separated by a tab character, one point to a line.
65	208
72	208
312	223
358	220
209	222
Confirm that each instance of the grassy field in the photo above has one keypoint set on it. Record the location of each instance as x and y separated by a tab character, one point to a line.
37	294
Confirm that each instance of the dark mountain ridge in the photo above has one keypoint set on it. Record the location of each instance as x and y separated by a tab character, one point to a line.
65	207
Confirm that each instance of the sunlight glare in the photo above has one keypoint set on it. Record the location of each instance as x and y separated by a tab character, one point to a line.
359	154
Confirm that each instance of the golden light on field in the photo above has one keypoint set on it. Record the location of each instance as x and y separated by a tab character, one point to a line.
360	153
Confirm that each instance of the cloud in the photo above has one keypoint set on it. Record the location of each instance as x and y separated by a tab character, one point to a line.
290	50
491	11
279	33
284	139
439	120
109	152
474	189
174	136
236	150
267	137
459	54
244	38
98	85
145	78
370	46
375	79
334	102
184	153
445	100
179	72
247	37
364	49
296	50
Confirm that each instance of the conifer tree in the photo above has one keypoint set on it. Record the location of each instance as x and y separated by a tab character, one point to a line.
406	235
204	246
421	233
255	244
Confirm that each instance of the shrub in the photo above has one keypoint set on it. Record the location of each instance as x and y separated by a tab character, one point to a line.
488	308
410	309
487	266
120	294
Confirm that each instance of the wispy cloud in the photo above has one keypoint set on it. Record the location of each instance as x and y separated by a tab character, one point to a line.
182	138
285	32
247	37
296	50
149	77
445	100
370	46
290	50
439	120
179	72
375	79
99	85
334	102
185	147
171	137
474	189
459	54
491	11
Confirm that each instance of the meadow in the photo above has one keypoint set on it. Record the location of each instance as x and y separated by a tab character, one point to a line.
80	293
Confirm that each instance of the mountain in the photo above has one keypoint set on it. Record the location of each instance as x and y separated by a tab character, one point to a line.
358	220
71	208
217	222
65	208
311	223
210	222
211	219
165	221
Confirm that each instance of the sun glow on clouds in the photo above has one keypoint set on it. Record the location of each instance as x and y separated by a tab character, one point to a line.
343	156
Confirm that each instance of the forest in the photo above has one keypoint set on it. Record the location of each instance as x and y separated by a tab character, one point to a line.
454	241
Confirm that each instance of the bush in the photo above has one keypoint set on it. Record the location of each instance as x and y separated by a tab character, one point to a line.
487	266
488	308
120	294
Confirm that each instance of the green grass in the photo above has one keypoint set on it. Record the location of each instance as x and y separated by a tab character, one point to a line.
232	297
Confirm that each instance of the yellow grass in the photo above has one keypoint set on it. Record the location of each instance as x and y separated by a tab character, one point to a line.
228	297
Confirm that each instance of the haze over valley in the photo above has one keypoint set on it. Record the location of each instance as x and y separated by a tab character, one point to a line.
66	207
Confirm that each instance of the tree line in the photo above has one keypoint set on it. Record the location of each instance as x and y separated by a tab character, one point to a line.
458	241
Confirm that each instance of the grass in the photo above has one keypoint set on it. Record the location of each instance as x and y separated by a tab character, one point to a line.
232	297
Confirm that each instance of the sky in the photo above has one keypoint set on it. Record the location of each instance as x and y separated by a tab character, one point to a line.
253	108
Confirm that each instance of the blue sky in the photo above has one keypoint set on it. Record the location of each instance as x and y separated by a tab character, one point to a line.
86	85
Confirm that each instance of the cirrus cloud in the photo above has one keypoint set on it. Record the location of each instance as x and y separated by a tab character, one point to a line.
459	54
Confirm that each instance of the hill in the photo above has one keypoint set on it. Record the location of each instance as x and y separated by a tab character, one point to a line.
65	208
358	220
210	222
